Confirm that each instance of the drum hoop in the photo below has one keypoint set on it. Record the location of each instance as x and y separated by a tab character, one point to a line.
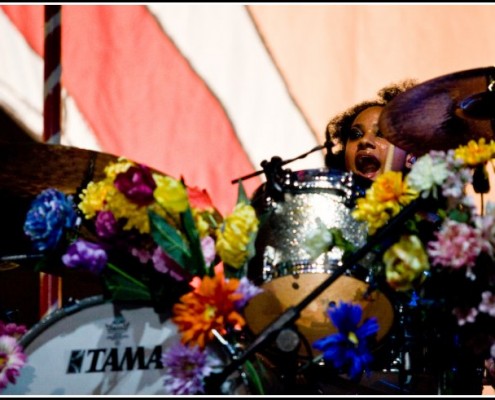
294	267
57	315
346	185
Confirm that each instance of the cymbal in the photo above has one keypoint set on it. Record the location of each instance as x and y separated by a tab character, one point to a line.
441	113
28	168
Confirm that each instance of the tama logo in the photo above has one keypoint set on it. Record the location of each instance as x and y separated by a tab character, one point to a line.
114	359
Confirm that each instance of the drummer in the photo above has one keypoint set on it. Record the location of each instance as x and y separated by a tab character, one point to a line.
356	143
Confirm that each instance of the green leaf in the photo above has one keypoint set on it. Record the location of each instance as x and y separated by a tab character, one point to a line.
340	241
169	239
196	264
241	194
253	377
122	286
459	216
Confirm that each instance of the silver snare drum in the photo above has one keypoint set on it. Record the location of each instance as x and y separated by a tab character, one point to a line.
308	198
300	203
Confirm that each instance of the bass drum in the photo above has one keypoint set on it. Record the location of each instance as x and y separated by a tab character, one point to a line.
289	210
95	347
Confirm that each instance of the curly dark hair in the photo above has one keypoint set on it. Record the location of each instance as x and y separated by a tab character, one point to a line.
337	131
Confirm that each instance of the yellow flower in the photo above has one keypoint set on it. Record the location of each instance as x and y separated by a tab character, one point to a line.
475	153
374	214
93	197
405	262
115	168
392	189
171	194
201	223
384	200
121	207
234	235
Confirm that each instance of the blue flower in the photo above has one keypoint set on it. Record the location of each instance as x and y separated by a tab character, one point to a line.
349	347
51	212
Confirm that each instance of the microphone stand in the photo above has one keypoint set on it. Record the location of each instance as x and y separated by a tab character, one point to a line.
279	163
214	381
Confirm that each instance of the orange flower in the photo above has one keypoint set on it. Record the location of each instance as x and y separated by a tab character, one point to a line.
209	306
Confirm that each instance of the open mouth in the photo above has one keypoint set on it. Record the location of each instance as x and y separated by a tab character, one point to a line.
367	165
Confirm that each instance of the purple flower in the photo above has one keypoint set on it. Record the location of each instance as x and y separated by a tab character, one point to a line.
248	290
50	213
185	369
106	225
12	359
349	347
85	254
137	184
12	329
163	263
143	255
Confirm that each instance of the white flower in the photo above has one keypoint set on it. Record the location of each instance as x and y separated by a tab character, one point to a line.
426	174
318	240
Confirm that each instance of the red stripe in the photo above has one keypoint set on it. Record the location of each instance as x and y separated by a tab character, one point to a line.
50	293
142	98
29	20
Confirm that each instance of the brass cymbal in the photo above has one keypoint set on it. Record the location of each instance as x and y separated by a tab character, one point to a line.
28	168
441	113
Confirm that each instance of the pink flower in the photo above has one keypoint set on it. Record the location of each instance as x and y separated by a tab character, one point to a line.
208	248
487	304
12	359
163	263
143	255
465	315
458	245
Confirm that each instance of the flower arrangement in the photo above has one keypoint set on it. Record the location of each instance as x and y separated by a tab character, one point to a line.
150	237
440	263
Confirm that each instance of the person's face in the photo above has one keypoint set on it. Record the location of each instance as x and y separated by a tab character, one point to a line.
366	149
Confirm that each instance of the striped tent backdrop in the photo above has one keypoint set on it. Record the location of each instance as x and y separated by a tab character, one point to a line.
202	100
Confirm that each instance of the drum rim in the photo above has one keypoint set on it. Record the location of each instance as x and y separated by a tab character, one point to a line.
55	316
293	179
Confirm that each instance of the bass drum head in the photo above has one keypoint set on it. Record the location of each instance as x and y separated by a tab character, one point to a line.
97	347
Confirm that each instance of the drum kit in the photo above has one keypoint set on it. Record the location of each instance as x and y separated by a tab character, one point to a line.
81	339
